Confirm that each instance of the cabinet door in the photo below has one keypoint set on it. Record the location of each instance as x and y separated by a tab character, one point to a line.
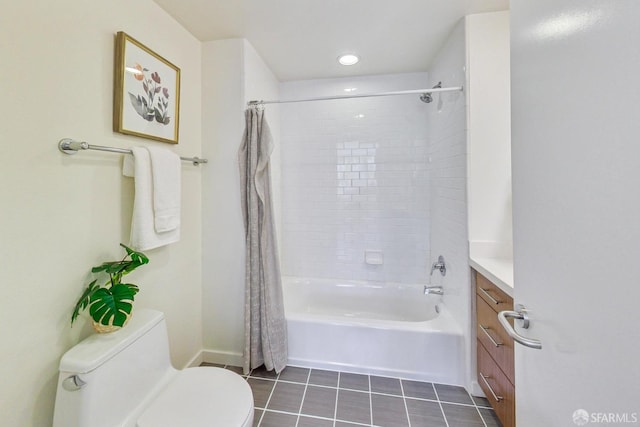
494	338
496	387
492	295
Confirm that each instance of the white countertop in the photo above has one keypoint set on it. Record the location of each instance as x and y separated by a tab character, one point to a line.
498	270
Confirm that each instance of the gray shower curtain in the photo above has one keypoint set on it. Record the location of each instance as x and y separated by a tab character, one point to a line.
265	333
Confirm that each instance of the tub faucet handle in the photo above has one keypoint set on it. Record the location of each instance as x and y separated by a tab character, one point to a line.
439	265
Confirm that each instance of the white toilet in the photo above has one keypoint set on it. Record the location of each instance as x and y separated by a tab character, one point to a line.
125	379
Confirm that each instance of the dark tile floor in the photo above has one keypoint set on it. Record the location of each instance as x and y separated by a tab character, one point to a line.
301	397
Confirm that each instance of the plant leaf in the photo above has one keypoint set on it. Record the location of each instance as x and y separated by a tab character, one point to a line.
84	300
158	114
136	101
108	266
137	259
114	303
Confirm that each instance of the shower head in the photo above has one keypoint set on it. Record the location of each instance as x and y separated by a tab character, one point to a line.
427	97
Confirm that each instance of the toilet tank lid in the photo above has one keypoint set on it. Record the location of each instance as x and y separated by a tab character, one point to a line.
96	349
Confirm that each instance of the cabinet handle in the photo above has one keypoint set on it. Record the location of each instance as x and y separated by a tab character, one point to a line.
495	301
486	332
484	378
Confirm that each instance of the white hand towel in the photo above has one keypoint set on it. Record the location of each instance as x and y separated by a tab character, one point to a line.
143	233
166	172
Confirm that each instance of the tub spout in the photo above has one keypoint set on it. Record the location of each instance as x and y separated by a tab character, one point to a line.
433	290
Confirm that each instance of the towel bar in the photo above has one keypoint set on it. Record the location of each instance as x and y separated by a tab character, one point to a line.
70	146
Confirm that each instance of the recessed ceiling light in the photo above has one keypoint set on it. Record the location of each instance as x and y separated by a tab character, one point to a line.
348	59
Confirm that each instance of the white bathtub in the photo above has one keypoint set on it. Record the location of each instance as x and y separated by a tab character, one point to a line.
380	329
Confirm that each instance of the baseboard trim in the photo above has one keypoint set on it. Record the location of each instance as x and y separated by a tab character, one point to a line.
222	357
476	390
195	361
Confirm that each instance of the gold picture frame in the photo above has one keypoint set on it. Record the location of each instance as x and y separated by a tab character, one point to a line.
146	92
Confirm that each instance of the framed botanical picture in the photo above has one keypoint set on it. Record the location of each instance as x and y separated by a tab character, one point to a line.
146	99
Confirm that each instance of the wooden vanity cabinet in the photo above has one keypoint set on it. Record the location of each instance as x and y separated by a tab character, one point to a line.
495	350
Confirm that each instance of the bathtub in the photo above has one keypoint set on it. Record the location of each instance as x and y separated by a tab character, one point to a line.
379	329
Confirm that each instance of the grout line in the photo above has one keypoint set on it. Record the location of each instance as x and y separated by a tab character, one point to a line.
304	394
378	375
317	417
481	406
440	404
314	416
288	381
363	391
436	400
337	388
404	400
478	410
277	411
268	400
452	403
265	379
335	411
480	413
403	395
481	417
355	423
370	400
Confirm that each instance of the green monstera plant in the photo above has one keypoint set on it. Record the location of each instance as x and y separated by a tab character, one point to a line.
110	305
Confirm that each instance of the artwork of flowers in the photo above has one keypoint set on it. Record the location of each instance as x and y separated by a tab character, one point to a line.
153	103
146	92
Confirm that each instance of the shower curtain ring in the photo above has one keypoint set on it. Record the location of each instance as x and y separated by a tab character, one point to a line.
258	105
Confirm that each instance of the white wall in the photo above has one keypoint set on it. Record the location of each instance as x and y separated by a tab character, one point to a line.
61	215
490	228
261	84
447	120
355	178
470	167
222	227
233	73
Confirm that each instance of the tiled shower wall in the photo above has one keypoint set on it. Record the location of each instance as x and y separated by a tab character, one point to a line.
448	171
355	179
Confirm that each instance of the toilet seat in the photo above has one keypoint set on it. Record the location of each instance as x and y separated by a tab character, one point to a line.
201	397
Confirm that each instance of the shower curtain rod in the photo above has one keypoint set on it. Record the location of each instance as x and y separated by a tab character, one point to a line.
364	95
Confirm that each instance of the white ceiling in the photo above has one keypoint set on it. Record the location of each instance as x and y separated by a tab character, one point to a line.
301	39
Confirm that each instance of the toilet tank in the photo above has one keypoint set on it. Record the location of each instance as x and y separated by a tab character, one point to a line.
121	370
